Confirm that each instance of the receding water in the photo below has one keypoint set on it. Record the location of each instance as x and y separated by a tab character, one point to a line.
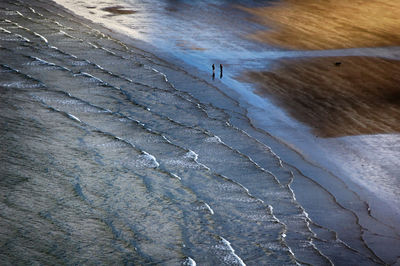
107	160
238	34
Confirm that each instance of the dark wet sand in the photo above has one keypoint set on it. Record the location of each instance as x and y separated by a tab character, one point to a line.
311	24
118	10
361	96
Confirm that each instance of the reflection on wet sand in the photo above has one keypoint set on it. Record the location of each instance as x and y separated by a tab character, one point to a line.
335	96
359	96
186	45
311	24
118	10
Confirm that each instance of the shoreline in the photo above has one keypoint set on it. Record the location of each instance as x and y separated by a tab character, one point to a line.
364	47
237	112
330	167
285	145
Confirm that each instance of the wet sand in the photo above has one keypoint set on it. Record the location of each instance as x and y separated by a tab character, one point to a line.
361	95
353	106
312	24
358	95
118	10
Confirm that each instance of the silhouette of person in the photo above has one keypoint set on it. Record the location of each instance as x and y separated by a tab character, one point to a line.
220	71
213	71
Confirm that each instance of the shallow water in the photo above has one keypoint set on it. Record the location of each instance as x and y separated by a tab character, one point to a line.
196	35
104	159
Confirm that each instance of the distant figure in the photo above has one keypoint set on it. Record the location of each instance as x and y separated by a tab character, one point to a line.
213	69
220	71
338	63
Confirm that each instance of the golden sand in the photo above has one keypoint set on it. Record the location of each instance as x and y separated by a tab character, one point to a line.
329	24
361	96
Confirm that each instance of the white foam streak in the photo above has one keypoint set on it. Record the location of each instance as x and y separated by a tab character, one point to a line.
44	62
22	37
189	262
34	11
92	77
41	37
149	160
214	139
75	118
4	30
192	155
209	208
66	34
232	258
176	176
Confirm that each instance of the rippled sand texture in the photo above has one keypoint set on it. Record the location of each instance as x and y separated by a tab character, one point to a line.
361	96
104	161
313	24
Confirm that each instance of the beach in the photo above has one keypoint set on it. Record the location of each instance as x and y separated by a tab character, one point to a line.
115	151
320	92
313	25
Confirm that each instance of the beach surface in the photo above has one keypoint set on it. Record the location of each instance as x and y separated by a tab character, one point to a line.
336	96
313	25
342	84
111	154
